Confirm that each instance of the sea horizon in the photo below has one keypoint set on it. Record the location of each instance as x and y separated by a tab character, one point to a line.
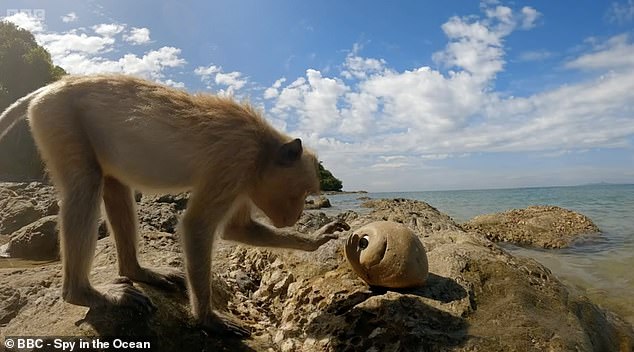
495	188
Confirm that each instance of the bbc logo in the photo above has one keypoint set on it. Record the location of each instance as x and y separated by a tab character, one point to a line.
39	14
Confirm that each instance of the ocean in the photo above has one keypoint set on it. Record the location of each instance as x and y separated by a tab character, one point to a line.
601	269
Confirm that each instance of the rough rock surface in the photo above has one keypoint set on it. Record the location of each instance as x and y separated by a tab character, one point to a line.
317	203
23	203
417	215
28	221
37	241
477	298
538	226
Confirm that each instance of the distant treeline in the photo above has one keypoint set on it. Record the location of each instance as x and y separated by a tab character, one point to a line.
328	182
24	67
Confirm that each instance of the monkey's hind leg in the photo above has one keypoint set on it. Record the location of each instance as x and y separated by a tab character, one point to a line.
80	198
120	208
77	176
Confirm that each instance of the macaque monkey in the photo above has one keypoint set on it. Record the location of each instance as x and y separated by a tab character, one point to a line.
103	136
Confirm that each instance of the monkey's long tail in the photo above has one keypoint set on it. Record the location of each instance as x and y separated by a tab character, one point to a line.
16	111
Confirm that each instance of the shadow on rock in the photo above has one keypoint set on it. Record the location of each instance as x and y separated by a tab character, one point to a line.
438	288
170	328
388	322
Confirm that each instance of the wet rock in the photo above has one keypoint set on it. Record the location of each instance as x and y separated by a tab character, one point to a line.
538	226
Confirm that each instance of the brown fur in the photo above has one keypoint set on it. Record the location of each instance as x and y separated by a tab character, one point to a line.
102	136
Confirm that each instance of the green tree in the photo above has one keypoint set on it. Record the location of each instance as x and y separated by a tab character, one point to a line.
327	181
24	67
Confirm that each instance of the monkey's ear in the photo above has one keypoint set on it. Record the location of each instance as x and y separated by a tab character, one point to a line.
290	152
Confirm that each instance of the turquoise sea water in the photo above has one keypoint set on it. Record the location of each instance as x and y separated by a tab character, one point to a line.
602	269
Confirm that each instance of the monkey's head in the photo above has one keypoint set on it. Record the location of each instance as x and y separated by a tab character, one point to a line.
291	175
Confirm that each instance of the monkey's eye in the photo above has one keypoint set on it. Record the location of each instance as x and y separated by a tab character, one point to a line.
364	242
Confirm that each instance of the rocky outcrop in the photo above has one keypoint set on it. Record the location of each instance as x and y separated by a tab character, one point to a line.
419	216
37	240
537	226
23	203
317	203
477	298
29	224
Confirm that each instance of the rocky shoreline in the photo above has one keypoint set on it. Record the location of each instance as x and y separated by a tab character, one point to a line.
535	226
478	297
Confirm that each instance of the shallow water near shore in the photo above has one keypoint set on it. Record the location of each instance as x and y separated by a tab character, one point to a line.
601	268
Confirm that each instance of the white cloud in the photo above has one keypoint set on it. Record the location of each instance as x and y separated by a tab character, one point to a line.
138	36
81	53
314	100
273	91
291	96
206	72
61	44
174	84
360	116
232	79
151	65
70	17
476	45
214	75
388	158
108	29
425	99
616	53
530	17
435	156
390	165
25	21
381	119
359	67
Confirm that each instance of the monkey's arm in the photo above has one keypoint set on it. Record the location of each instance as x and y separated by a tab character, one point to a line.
248	231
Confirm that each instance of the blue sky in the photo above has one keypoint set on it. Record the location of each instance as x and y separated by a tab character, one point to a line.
398	96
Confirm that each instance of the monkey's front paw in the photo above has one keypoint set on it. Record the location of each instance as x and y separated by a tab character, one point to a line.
219	324
332	227
121	292
330	231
